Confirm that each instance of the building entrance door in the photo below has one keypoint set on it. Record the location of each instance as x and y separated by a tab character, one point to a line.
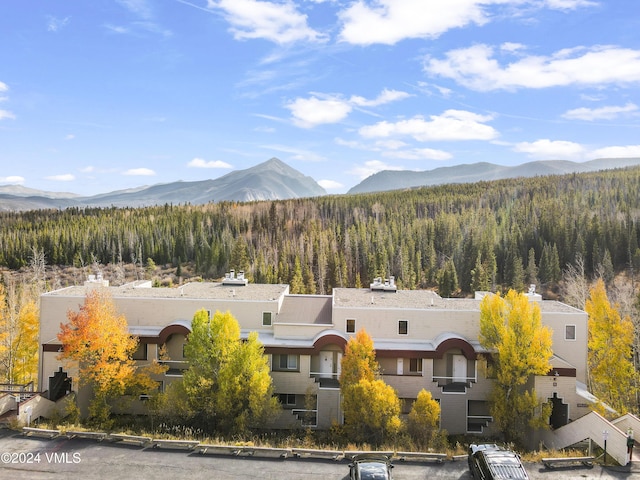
326	364
459	372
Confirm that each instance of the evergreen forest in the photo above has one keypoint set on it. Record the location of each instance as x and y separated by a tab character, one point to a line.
456	238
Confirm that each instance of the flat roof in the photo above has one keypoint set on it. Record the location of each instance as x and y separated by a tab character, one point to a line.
196	290
422	299
342	297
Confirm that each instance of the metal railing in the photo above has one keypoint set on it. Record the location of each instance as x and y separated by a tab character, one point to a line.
326	380
309	418
176	367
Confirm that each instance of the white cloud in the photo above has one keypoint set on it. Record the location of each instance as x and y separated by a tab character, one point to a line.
386	96
139	7
142	172
201	163
602	113
546	149
139	28
451	125
477	68
313	111
627	151
6	114
511	47
390	21
418	154
70	136
65	177
12	180
366	22
568	4
392	148
330	184
88	169
310	112
117	28
280	23
370	167
54	24
390	144
296	153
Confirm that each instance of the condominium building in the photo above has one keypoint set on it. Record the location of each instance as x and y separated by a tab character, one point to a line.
422	341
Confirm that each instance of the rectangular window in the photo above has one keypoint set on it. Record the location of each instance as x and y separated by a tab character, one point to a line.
415	365
287	399
569	332
351	325
288	362
141	352
403	327
266	319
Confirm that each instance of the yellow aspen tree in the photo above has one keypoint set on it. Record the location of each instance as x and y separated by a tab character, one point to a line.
511	329
18	333
423	419
359	360
228	382
371	407
97	341
25	345
5	338
611	373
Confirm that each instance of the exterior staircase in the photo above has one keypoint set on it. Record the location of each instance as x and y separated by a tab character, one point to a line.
21	403
599	430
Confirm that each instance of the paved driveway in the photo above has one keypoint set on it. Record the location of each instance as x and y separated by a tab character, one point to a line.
61	458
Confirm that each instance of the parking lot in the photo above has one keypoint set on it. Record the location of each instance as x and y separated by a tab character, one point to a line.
36	458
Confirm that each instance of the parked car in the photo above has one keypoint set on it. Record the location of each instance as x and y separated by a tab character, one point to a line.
492	462
370	467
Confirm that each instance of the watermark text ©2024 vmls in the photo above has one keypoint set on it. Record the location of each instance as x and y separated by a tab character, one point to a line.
22	458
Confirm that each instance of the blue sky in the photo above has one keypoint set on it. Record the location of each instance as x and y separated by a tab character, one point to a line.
103	95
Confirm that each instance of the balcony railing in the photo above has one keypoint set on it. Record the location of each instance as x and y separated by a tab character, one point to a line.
309	418
477	423
176	367
21	392
454	384
326	380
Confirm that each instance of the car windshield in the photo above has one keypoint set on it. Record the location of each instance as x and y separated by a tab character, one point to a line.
373	471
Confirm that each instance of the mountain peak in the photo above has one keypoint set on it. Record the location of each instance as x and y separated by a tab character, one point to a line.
270	180
276	165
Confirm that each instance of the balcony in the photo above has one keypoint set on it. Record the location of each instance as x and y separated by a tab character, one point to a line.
326	380
454	384
176	367
308	418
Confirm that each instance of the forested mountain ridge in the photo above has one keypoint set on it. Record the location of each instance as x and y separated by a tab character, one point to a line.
483	171
460	238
